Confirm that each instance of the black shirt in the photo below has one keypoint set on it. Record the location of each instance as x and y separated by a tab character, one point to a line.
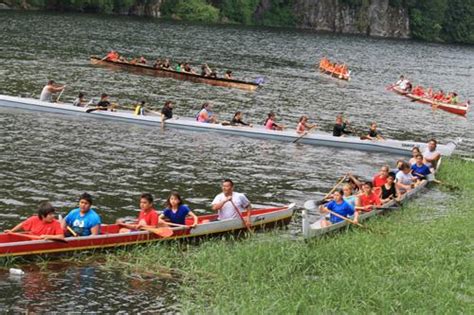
338	130
236	121
388	192
167	112
373	133
104	105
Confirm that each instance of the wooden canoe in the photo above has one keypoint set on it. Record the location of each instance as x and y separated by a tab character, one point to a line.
17	245
458	109
336	74
314	229
398	147
168	73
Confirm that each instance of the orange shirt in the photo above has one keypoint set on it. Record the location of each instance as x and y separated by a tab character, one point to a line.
150	217
38	227
370	200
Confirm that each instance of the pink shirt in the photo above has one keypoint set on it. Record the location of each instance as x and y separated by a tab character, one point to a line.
269	124
202	116
300	128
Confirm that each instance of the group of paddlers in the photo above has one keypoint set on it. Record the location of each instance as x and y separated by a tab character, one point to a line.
405	85
206	71
85	221
327	65
358	196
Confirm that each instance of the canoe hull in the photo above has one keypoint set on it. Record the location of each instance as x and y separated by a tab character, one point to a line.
14	245
148	70
458	109
258	132
338	75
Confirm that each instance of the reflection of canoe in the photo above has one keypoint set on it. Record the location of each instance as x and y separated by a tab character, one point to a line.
336	74
15	245
149	70
314	229
317	138
459	109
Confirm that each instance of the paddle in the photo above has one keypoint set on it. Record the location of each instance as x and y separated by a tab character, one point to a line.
59	96
179	225
73	233
311	206
334	188
246	223
37	238
161	232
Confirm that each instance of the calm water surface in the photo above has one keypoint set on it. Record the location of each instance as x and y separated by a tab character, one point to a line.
47	156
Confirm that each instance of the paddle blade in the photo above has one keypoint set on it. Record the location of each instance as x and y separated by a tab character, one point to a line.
162	232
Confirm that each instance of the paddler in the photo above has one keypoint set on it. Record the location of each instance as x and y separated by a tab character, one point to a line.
237	120
167	111
111	56
79	101
205	115
303	125
420	169
373	133
340	126
431	155
148	217
368	199
104	103
48	90
43	225
339	206
83	220
140	109
229	202
176	212
405	181
402	83
454	98
270	123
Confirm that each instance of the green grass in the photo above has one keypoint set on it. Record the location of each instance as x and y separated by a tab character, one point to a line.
404	263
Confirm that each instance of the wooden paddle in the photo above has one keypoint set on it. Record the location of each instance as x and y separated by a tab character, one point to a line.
346	219
178	225
246	223
163	232
37	238
59	96
73	233
334	188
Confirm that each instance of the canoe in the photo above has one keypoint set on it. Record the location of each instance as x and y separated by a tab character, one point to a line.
17	245
169	73
458	109
314	229
316	138
336	74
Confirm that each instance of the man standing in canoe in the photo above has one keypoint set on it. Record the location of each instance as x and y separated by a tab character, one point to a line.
228	202
431	155
83	221
48	90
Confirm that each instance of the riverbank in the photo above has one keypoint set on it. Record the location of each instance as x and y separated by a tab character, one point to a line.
416	259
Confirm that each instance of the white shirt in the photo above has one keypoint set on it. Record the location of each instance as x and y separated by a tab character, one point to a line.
228	210
405	179
429	154
46	95
403	84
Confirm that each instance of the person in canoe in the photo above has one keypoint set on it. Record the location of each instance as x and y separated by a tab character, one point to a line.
176	212
205	115
48	90
368	199
167	111
270	123
140	109
340	206
402	83
166	64
237	120
439	96
44	224
373	133
414	152
348	196
104	103
303	125
405	181
228	202
205	70
148	217
83	220
142	60
389	190
454	98
381	178
431	155
418	91
340	126
79	101
228	75
420	169
187	69
111	56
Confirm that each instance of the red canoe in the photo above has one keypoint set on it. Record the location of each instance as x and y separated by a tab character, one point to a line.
458	109
19	245
336	74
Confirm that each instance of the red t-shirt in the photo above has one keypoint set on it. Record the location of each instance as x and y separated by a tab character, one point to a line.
378	181
36	226
150	217
370	200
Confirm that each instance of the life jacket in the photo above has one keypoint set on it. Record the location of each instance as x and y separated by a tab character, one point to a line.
139	110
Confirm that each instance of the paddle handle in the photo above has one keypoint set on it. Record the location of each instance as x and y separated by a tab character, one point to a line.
344	218
71	231
334	188
247	224
30	236
59	96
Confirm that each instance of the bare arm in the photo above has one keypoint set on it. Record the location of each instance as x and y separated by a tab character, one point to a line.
16	228
95	230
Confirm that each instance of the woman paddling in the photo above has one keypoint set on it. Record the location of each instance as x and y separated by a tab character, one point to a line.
389	190
205	115
368	199
176	212
148	217
373	133
270	123
43	225
303	125
339	206
237	120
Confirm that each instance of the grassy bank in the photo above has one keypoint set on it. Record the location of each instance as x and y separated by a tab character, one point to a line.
410	261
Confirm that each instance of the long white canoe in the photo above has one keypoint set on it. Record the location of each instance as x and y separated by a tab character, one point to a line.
317	138
315	229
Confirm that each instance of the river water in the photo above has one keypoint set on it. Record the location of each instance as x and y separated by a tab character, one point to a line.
54	157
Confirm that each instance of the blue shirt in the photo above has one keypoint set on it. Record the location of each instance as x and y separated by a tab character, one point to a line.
420	170
82	224
344	209
178	217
